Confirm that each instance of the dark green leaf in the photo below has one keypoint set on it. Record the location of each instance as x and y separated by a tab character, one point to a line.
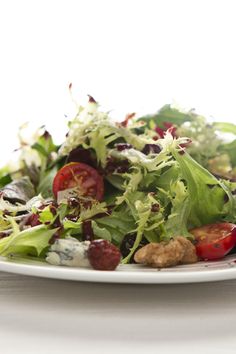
5	180
169	114
206	193
40	149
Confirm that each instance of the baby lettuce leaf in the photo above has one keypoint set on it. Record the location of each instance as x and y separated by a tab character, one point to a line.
31	241
45	185
207	195
118	224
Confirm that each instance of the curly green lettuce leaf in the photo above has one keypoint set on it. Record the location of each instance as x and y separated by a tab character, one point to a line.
207	139
131	183
94	129
75	227
147	219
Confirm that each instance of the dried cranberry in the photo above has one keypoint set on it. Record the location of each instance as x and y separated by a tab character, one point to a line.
57	223
128	242
167	126
80	154
56	236
72	217
151	149
73	202
103	255
121	147
122	169
226	198
87	230
155	207
4	234
160	132
51	204
53	209
120	166
33	220
170	127
46	135
181	152
127	118
91	99
6	212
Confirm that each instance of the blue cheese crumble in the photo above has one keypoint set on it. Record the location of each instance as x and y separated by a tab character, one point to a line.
69	252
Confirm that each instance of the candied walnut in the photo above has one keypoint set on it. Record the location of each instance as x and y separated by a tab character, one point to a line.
163	254
190	255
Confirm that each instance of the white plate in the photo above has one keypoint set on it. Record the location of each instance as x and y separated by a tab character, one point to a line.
199	272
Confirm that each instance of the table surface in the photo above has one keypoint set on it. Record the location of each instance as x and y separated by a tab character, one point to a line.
50	316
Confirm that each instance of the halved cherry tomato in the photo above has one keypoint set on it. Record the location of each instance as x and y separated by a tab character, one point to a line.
214	241
79	176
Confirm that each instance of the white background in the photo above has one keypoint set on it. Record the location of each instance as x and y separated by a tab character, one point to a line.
130	55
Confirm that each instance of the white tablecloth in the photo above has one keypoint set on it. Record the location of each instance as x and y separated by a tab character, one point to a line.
50	316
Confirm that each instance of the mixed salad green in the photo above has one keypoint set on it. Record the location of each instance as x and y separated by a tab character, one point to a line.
143	180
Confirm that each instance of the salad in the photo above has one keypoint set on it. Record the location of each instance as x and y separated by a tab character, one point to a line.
157	190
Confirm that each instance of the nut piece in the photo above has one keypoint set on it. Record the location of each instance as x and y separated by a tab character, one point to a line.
163	254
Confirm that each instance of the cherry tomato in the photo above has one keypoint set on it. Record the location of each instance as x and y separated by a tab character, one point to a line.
80	176
214	241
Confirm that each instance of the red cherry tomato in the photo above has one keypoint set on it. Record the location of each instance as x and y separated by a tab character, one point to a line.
80	176
214	241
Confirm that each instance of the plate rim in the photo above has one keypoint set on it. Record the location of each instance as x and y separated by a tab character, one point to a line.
121	276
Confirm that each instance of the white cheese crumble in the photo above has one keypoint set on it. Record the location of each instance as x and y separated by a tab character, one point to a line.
69	252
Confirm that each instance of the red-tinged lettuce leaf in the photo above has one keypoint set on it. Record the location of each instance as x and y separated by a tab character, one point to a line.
20	190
